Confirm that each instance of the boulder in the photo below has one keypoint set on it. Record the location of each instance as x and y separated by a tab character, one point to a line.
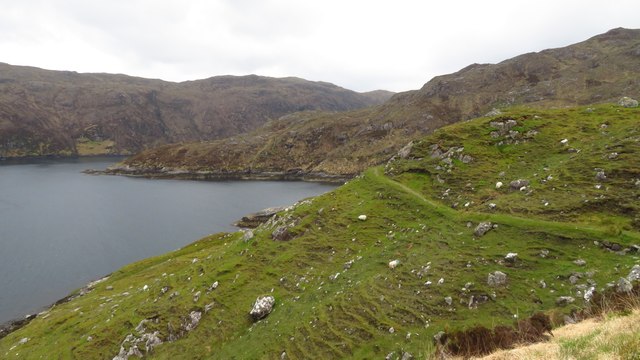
497	279
628	102
564	300
511	257
623	286
281	234
634	275
262	307
482	228
405	151
255	219
518	184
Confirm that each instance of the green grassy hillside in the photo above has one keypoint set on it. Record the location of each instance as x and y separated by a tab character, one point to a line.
336	295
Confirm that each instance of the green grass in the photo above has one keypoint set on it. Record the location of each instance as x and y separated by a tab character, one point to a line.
351	316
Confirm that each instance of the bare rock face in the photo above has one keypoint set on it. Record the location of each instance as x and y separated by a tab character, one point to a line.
281	234
262	307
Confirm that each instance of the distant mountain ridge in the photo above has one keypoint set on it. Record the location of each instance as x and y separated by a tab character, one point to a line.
44	112
319	145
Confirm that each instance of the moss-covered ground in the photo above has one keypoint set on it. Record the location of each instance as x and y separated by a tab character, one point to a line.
337	297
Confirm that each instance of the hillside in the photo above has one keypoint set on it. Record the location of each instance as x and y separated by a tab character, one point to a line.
320	145
430	254
64	113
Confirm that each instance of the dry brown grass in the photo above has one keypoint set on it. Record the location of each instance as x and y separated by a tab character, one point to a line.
597	338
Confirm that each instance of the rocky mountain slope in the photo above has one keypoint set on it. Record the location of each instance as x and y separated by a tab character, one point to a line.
317	144
46	112
485	222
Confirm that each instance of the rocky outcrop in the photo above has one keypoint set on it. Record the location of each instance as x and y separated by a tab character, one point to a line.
254	220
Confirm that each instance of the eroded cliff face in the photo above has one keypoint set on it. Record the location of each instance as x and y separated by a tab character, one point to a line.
601	69
65	113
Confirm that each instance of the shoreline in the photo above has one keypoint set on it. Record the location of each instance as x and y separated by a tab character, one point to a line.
247	175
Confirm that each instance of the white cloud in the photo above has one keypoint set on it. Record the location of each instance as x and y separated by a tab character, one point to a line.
362	45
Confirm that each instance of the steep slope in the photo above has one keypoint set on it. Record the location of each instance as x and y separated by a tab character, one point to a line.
311	144
65	113
339	291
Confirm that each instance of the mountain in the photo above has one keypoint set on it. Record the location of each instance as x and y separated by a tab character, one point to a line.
320	145
478	226
64	113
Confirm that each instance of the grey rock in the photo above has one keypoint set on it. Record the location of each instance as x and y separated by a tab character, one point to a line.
448	300
634	274
628	102
192	321
406	356
493	112
580	262
248	235
262	307
588	295
281	234
543	253
405	151
564	300
518	184
511	258
623	286
601	176
482	228
497	279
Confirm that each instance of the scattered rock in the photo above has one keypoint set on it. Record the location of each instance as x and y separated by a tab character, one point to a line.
588	295
623	286
213	286
511	258
564	141
362	217
260	217
634	275
441	281
405	151
493	112
496	279
564	300
406	356
580	262
601	176
196	296
492	206
518	184
23	341
348	264
248	235
448	300
391	330
482	229
281	234
191	322
262	307
499	184
393	264
628	102
109	288
543	253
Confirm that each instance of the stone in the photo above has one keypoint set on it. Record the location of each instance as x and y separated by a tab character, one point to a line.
405	151
406	356
362	217
634	275
393	264
441	281
518	184
601	176
281	234
499	184
196	296
482	229
628	102
262	307
213	286
564	300
492	206
511	257
248	235
391	330
543	253
580	262
564	141
497	279
624	286
493	112
23	341
192	321
588	295
448	300
256	219
348	264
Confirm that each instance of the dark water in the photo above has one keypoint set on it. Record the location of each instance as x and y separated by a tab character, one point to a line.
60	229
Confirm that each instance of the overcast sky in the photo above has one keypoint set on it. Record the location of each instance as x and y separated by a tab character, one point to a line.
361	45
